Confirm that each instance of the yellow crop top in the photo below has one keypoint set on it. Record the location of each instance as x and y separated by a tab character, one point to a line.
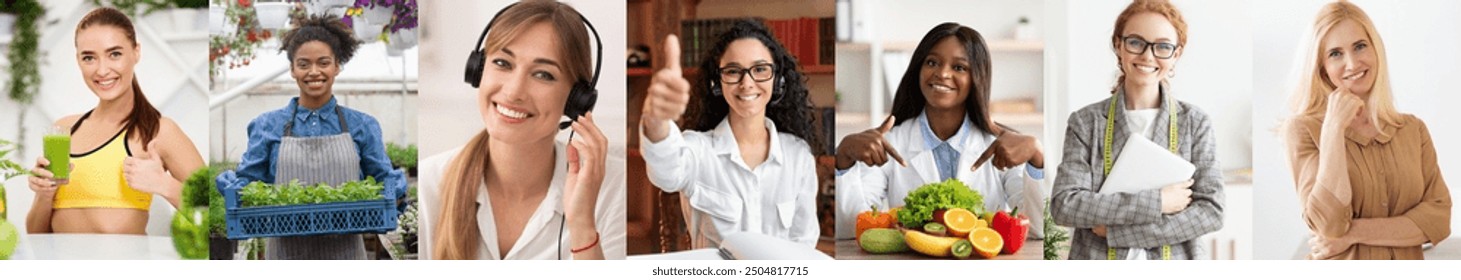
97	182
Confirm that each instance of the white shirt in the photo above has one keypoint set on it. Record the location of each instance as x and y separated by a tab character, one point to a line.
776	198
543	237
1141	120
862	186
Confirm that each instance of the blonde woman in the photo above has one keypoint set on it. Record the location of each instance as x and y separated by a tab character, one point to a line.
1366	174
513	192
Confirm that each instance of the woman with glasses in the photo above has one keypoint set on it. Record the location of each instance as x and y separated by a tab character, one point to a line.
1159	223
1366	175
746	163
940	129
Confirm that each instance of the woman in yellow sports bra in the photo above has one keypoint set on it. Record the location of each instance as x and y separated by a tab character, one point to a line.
122	151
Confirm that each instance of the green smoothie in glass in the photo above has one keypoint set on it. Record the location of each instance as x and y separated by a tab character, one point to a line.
58	152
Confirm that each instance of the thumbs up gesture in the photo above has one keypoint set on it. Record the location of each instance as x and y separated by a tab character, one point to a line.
668	95
144	171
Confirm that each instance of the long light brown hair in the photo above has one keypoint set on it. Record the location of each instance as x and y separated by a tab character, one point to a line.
1311	94
456	235
143	121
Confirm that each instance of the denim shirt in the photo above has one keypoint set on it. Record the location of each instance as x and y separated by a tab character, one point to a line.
266	131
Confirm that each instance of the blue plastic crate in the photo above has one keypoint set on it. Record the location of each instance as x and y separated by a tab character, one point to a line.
371	216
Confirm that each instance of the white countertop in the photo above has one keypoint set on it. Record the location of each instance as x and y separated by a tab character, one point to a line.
94	247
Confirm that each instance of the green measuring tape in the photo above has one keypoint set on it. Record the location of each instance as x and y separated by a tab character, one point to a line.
1106	158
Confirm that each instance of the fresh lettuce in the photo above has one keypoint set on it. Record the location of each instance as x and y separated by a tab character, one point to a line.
920	204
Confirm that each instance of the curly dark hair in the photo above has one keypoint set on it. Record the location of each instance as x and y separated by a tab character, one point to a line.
324	28
792	113
908	99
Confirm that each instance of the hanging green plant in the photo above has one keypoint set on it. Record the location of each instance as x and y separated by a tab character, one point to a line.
25	75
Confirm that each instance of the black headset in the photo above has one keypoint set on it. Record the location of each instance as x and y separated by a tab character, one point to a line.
580	100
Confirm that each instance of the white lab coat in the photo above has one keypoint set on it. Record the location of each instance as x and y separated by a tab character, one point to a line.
862	186
541	237
777	198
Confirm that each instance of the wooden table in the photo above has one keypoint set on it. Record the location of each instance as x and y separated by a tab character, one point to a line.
848	250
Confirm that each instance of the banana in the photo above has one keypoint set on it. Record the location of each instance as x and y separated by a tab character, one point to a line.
928	244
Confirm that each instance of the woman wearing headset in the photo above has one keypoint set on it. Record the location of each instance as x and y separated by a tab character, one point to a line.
1366	174
745	164
123	151
940	120
315	140
513	192
1154	224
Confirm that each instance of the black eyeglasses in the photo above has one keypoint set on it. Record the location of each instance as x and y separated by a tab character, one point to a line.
760	73
1137	45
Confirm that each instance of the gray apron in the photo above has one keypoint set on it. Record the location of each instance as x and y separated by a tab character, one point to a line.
331	160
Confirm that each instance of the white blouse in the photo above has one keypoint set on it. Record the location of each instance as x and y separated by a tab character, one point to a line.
776	198
543	237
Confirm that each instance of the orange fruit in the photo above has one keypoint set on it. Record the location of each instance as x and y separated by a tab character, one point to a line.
960	222
987	242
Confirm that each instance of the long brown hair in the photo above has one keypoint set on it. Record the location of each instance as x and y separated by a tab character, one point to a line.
1160	7
142	122
456	235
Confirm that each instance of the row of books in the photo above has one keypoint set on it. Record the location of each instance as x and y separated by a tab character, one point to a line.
811	40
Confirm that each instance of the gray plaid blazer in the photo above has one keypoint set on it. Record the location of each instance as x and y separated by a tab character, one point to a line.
1135	220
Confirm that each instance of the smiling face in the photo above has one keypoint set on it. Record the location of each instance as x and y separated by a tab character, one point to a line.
106	58
524	86
748	97
1347	57
945	77
314	69
1146	69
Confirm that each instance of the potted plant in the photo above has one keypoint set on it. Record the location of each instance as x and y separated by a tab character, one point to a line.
403	157
199	191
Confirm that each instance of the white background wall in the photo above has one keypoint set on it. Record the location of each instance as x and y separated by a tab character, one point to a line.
1212	74
170	51
1421	38
866	78
449	115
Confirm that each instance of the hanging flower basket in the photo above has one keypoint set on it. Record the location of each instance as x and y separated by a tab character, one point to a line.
390	16
402	40
273	16
242	34
365	30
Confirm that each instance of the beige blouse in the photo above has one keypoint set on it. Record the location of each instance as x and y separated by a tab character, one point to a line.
1391	174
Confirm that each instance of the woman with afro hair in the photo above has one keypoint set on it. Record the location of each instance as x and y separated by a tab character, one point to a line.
314	140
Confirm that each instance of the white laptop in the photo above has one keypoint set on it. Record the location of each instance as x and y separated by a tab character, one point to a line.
1144	165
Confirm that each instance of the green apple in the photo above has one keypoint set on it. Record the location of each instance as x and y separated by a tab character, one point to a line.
9	237
190	233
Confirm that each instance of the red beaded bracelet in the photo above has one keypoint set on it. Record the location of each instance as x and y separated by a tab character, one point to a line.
589	246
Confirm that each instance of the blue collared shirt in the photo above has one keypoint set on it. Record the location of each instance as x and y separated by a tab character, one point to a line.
266	131
931	141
